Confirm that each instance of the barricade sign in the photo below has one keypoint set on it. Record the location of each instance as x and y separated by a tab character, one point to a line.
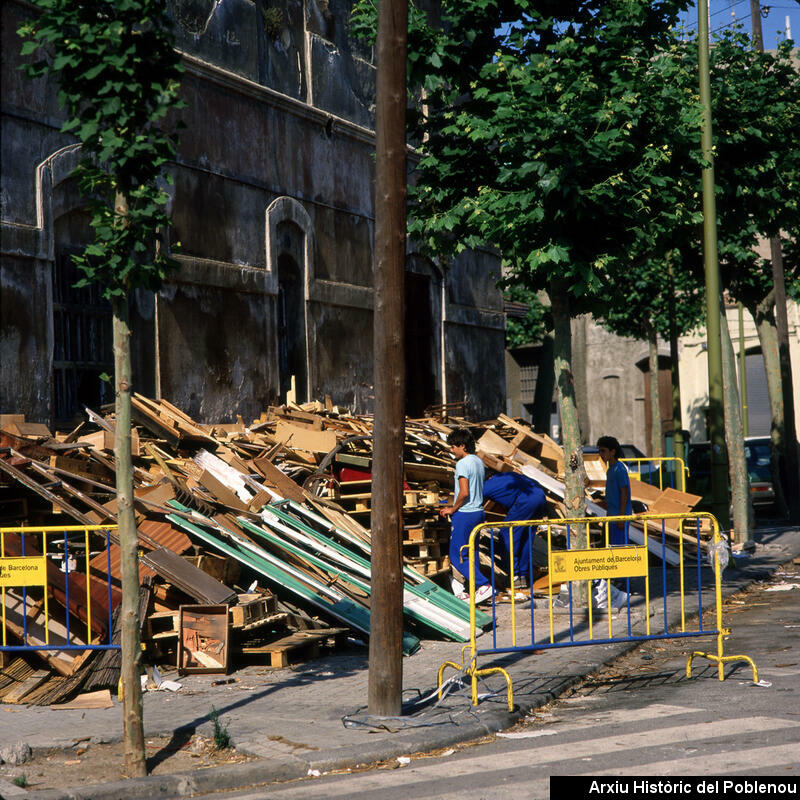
606	562
597	592
23	571
56	588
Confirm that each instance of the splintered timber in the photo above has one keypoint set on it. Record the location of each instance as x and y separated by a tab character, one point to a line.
695	786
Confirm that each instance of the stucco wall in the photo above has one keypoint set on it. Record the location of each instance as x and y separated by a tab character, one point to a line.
610	377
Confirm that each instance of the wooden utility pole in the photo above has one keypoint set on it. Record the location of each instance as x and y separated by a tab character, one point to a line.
386	611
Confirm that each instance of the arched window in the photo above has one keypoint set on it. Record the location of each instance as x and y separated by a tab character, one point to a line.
289	248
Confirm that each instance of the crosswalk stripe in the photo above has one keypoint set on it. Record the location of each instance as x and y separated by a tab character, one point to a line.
737	760
606	742
618	715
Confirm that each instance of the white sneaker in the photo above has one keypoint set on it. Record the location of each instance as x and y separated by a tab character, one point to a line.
600	593
456	586
619	599
601	596
483	594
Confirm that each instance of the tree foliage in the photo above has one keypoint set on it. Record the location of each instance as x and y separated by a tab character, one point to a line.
534	324
531	132
118	77
756	107
654	268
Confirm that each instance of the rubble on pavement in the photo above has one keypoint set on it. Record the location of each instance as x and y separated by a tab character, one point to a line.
254	538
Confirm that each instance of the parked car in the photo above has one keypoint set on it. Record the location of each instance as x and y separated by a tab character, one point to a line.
757	451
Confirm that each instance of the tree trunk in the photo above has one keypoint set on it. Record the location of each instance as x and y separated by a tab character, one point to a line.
135	764
574	473
768	338
656	437
677	420
543	395
789	457
737	463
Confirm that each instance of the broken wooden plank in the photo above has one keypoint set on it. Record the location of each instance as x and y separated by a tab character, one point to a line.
188	578
17	694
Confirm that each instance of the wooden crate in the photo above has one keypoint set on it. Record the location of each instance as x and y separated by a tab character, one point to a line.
203	640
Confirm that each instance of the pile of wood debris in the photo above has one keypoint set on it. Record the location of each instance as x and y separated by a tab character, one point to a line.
254	539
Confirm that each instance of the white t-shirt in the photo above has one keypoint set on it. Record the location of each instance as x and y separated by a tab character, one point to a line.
471	468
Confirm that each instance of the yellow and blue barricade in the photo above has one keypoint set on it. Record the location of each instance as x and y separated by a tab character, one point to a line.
670	472
53	599
579	557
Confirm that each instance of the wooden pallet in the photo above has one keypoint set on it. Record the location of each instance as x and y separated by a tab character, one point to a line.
297	647
428	550
430	567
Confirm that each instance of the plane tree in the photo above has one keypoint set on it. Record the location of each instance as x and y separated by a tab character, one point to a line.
756	108
118	75
528	134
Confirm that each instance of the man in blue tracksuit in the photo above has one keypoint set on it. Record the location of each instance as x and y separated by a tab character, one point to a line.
523	499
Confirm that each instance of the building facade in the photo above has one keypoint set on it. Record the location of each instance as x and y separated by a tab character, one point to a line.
272	203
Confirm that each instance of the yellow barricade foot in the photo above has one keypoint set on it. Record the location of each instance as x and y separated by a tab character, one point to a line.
721	661
457	667
491	671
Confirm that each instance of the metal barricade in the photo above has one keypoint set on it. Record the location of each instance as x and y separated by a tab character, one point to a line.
573	562
676	470
39	576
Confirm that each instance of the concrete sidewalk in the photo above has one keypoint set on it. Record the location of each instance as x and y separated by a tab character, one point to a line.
313	717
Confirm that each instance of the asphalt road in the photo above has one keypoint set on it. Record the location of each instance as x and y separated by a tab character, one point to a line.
641	716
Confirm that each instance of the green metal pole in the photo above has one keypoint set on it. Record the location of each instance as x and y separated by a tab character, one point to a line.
716	425
743	371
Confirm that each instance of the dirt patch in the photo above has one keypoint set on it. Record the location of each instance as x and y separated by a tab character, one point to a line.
86	763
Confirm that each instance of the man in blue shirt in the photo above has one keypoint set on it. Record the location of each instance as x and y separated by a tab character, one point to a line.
466	511
618	503
618	487
523	499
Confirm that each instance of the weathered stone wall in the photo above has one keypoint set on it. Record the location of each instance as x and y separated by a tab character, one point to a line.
475	334
279	111
26	339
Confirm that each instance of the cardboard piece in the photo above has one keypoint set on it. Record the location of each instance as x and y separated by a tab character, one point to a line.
645	493
108	441
221	491
29	429
98	699
304	438
494	445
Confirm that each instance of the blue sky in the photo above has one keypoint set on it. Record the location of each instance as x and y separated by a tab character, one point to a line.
773	25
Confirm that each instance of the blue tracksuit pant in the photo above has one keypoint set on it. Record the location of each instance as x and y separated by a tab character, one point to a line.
463	522
526	506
